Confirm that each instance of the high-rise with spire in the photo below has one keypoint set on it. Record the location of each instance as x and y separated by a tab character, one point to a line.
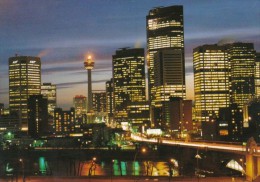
89	64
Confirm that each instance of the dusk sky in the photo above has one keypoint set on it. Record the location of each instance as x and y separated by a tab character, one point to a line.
61	32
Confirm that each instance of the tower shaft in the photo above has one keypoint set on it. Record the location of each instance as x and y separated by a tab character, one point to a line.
89	91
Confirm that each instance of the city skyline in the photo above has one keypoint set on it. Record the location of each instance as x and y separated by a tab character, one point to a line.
61	39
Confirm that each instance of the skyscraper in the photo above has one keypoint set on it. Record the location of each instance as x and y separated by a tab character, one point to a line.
37	115
24	80
99	105
242	63
48	90
99	101
110	101
129	80
169	81
257	74
164	30
211	81
223	77
80	105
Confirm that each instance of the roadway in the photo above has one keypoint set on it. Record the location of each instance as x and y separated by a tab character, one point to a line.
201	145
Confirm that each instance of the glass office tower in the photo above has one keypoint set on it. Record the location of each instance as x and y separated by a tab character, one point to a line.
48	90
257	74
129	80
24	80
164	30
211	81
242	62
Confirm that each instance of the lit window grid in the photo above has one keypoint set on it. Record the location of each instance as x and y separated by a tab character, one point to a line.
171	35
242	61
129	82
24	80
211	81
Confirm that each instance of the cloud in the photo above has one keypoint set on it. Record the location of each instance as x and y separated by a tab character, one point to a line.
70	84
189	70
61	69
79	68
44	53
239	33
4	91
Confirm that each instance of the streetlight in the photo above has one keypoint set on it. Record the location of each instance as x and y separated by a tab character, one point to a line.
21	160
170	169
112	165
242	165
197	156
143	150
92	165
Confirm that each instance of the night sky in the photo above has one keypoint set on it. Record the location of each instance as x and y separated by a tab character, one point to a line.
62	32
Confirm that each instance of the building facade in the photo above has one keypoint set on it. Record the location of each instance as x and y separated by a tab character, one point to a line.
48	91
64	121
257	74
223	77
99	105
80	105
24	80
110	102
164	30
169	81
128	80
139	115
242	64
37	116
180	114
211	81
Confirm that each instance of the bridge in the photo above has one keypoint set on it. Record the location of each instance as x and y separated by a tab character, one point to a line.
251	150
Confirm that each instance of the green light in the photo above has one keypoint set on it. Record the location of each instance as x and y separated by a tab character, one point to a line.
42	166
116	168
136	168
123	167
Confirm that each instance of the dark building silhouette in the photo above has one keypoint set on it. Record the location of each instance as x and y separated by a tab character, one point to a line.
230	123
64	121
180	115
1	109
110	101
37	116
252	120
